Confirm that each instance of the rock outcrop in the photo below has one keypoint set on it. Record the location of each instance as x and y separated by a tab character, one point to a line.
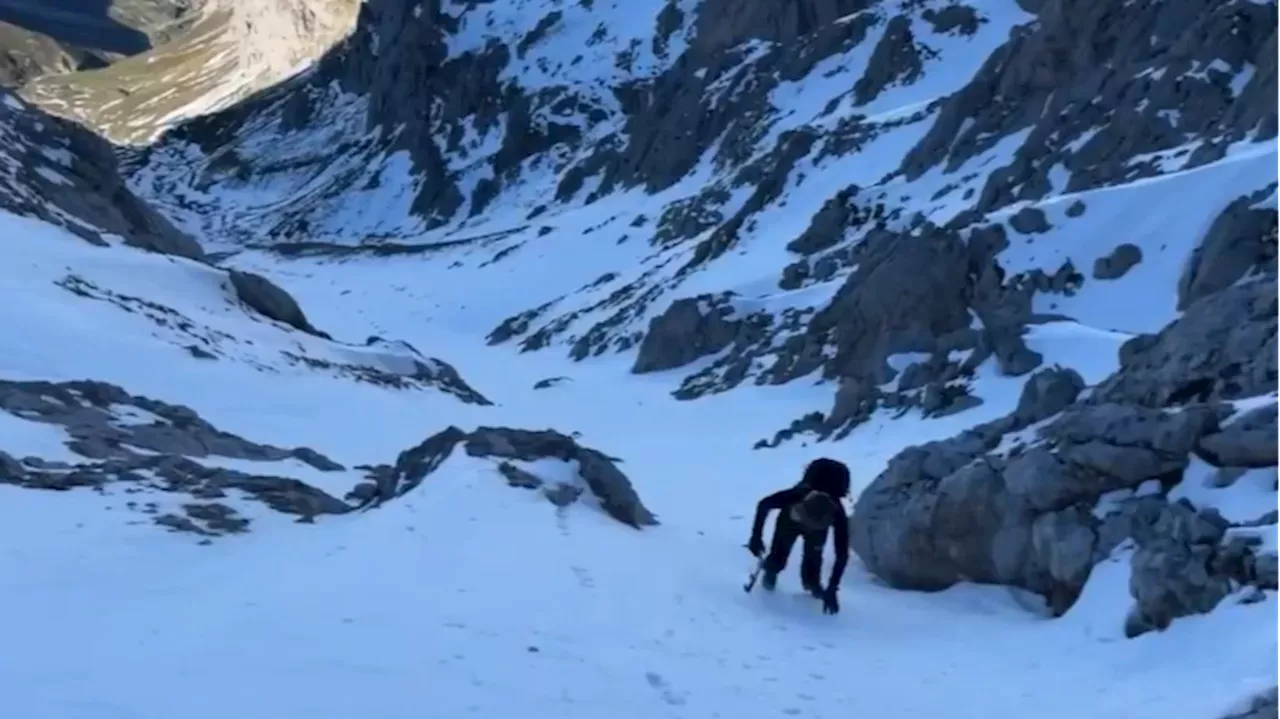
1241	241
1263	706
1118	262
993	505
598	472
59	172
1246	441
269	299
688	329
166	458
145	445
1093	98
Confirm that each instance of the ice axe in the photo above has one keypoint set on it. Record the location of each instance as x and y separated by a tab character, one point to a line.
755	574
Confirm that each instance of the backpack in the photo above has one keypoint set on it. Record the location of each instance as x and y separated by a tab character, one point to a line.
814	513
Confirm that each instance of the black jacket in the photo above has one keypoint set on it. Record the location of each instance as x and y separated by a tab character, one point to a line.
783	501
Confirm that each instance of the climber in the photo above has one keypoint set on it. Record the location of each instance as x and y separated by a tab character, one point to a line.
808	510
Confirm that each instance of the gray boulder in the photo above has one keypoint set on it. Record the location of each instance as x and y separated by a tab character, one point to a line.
1222	347
876	313
269	299
690	328
1242	240
1118	262
1047	393
1173	572
955	511
1249	441
1005	342
1030	221
1172	581
1128	444
1266	570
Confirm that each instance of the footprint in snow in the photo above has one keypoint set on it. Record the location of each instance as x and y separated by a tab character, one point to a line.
668	695
585	580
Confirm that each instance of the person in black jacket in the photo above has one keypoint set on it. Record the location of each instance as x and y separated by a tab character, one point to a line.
807	511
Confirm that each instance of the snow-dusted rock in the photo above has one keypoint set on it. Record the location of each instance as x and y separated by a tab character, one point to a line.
1241	241
597	471
1222	347
1263	706
956	510
1247	441
142	444
688	329
59	172
1173	569
877	208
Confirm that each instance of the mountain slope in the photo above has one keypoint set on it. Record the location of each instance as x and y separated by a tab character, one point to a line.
465	595
1013	262
63	174
225	51
59	37
974	164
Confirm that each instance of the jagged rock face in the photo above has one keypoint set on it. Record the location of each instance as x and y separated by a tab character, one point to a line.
397	45
1108	74
61	173
705	82
689	92
877	314
598	471
411	36
724	24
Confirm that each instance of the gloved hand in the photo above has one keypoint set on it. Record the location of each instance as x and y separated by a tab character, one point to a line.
830	604
756	547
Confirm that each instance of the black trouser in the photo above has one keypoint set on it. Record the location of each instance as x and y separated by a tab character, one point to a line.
785	534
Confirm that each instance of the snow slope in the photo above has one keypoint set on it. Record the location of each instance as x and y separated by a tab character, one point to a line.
468	597
426	611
